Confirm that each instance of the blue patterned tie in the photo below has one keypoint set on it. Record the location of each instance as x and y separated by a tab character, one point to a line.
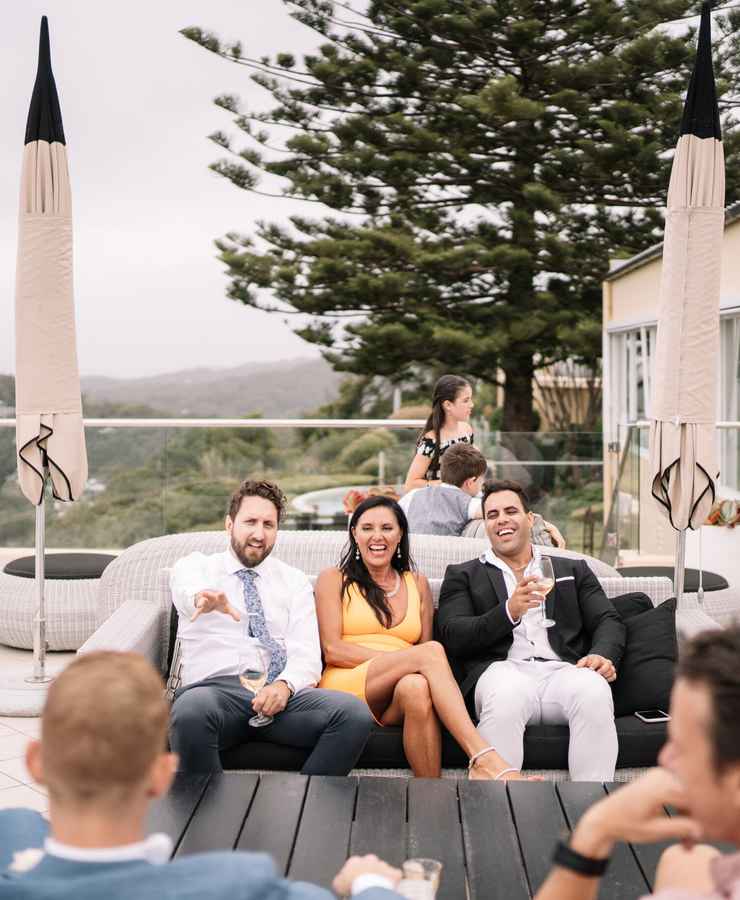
258	626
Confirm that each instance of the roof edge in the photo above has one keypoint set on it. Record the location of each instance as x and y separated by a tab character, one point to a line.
732	214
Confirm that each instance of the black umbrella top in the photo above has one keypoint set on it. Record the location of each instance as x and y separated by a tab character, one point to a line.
701	113
44	115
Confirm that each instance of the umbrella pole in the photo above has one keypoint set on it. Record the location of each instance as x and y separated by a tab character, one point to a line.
680	568
39	626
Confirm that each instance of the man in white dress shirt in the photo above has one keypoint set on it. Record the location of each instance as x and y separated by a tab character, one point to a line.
519	672
224	601
103	760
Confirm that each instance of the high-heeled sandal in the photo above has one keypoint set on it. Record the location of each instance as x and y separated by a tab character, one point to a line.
476	756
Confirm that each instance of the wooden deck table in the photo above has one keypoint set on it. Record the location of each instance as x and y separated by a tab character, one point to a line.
495	840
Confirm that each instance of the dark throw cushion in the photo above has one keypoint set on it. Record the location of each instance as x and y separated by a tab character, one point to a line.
629	605
645	676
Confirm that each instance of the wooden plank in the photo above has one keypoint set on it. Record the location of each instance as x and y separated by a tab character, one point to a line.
380	819
272	821
434	831
322	842
221	813
624	879
491	845
172	813
539	821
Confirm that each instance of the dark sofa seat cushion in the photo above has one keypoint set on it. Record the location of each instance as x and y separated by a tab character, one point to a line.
545	747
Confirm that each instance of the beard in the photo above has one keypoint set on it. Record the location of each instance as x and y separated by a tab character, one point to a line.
249	556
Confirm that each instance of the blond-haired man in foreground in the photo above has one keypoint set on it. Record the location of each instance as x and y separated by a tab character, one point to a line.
102	756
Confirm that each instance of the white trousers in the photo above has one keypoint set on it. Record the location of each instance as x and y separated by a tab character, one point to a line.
512	694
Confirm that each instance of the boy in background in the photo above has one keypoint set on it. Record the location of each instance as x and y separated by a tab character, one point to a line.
448	507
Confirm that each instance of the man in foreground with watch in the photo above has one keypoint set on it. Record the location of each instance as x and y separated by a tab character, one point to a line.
699	775
223	601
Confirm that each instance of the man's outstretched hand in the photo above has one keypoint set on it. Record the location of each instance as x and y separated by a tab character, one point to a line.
213	601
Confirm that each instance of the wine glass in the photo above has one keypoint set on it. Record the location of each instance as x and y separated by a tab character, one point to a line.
254	664
546	582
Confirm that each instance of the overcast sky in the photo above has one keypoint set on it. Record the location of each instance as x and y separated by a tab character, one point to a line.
136	100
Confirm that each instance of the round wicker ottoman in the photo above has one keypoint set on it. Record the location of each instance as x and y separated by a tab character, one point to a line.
70	592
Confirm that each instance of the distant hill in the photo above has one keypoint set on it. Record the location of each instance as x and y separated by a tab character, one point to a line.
277	390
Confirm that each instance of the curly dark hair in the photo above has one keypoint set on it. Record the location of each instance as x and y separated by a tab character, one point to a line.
252	488
354	571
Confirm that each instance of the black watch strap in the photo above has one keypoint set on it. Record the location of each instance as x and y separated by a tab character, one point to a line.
569	858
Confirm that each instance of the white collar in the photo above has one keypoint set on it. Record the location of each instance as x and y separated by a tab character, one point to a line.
490	557
234	565
155	849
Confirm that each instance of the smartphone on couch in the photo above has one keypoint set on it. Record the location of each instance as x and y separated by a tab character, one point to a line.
652	715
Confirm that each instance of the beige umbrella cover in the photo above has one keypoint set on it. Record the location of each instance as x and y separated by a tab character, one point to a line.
49	425
683	456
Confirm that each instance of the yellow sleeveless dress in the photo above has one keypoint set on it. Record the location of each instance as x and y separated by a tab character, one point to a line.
360	626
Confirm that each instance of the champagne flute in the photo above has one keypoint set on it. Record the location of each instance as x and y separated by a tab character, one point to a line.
254	664
546	582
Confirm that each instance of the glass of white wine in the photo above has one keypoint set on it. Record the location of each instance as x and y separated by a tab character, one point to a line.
254	665
546	582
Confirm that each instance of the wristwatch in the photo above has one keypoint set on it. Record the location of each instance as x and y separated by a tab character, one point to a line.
569	858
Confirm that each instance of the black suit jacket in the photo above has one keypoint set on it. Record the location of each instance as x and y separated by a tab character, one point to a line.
473	625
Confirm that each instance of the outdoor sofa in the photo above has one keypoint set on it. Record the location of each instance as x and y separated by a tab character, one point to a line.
135	613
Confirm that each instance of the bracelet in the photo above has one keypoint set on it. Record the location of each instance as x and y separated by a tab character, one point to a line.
569	858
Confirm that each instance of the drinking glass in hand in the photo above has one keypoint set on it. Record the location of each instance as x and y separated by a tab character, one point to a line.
546	582
420	879
253	668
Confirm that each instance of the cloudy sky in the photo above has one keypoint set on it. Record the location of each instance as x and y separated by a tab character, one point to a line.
136	100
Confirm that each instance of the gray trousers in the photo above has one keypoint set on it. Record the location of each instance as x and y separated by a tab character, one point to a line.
212	715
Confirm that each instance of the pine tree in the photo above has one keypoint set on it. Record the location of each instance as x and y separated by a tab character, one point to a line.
474	165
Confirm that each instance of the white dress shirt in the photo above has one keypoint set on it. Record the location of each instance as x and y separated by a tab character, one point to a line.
530	635
155	849
213	643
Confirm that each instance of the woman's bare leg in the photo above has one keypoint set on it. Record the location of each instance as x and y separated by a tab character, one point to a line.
422	738
685	869
430	660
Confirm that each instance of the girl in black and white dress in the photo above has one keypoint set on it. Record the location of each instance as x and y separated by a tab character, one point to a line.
448	424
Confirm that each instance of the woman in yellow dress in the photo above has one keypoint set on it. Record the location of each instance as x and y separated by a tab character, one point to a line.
375	620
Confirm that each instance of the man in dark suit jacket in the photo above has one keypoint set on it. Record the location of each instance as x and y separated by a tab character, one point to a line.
102	758
513	669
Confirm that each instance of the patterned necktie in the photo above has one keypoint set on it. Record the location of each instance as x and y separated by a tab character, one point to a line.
258	626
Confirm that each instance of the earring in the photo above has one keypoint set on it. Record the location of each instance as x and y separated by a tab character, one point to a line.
357	553
398	551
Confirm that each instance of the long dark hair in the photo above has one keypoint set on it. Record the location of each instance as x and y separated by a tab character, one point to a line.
446	388
355	571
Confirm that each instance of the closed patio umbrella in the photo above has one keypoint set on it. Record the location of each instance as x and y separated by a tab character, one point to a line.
50	436
683	456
